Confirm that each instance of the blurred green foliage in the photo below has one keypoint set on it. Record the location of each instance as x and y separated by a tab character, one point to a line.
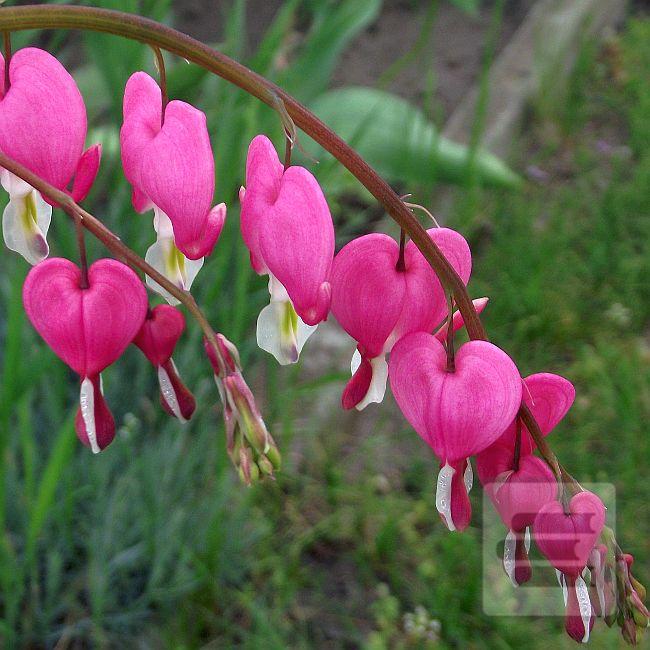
154	543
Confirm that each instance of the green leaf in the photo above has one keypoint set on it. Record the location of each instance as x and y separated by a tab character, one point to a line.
400	142
47	488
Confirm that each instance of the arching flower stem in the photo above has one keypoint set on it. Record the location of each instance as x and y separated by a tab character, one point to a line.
292	113
112	242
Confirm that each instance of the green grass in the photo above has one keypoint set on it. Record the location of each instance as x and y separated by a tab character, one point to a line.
155	544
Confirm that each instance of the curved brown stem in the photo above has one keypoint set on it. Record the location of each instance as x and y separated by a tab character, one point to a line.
291	112
112	242
158	35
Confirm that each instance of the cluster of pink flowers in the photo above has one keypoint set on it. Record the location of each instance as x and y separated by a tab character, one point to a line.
464	401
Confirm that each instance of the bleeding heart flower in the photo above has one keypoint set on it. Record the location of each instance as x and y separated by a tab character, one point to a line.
458	413
377	303
168	160
518	488
287	227
549	398
88	328
566	539
157	339
43	127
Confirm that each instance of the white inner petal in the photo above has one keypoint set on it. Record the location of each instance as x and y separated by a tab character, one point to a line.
25	222
509	551
168	260
15	186
468	477
527	539
355	362
582	592
280	331
169	394
377	388
87	405
443	494
562	581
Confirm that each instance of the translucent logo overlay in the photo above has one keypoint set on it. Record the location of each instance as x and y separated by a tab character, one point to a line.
542	595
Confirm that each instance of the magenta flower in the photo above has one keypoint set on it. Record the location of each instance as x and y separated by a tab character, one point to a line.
287	227
87	328
43	127
566	538
157	339
518	488
376	303
168	160
458	412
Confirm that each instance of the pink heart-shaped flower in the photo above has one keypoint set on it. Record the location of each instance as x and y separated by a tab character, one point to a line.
87	328
159	333
457	413
566	538
519	495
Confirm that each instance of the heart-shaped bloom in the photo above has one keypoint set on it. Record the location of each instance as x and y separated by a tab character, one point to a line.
88	328
377	303
518	488
287	226
168	160
566	538
458	413
43	127
157	339
549	398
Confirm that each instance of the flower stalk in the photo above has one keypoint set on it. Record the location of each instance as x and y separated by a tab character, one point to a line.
292	113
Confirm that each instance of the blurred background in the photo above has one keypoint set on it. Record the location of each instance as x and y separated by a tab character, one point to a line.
154	543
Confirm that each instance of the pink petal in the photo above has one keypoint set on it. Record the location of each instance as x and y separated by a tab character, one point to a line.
142	109
264	173
458	321
566	540
520	497
159	333
426	305
549	398
367	290
87	169
172	165
357	388
296	242
87	328
458	413
175	398
42	117
102	430
461	507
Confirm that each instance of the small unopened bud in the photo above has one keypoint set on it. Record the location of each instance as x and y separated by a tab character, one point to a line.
628	630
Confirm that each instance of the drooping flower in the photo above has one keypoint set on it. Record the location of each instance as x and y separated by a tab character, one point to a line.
250	445
157	338
377	303
43	127
287	226
518	488
458	412
88	328
549	398
167	158
566	538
